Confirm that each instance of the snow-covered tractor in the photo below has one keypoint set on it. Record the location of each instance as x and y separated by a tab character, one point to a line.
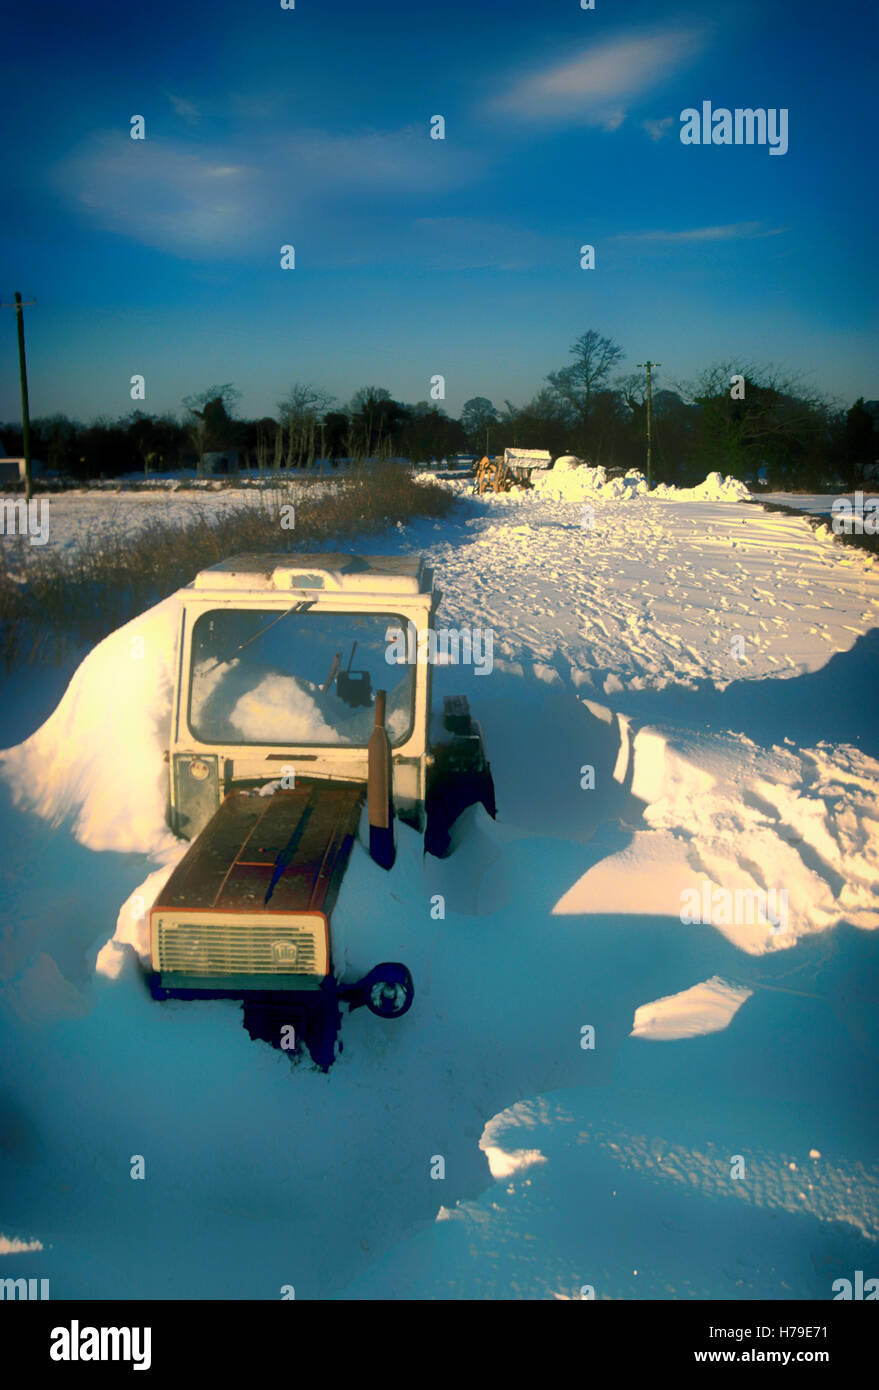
302	720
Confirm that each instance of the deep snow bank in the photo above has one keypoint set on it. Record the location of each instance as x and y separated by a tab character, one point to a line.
98	760
764	846
575	482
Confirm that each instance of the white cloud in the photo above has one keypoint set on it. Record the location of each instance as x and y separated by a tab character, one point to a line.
656	129
731	231
162	193
591	86
187	109
195	198
610	120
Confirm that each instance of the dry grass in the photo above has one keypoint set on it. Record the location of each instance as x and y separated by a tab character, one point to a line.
68	600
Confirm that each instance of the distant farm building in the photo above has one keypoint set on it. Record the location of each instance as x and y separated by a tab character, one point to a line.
221	462
12	469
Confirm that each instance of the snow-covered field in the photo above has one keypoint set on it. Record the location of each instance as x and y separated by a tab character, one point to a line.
636	1084
87	517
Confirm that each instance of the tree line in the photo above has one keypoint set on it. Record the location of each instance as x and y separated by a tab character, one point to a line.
754	422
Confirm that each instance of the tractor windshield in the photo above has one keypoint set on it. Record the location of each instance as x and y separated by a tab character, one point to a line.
267	677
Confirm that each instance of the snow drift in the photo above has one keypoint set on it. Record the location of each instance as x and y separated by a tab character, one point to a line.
570	481
98	760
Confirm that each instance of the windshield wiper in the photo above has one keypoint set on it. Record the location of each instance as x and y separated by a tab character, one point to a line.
297	608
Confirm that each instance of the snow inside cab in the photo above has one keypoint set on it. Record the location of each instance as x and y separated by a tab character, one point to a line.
293	712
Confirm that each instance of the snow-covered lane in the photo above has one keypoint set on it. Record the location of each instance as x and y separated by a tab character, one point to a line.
658	592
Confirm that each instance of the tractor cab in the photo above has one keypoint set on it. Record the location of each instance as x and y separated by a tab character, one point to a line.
294	710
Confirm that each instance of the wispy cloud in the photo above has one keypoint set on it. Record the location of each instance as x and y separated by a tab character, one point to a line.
656	129
187	109
222	198
611	119
590	87
731	231
164	194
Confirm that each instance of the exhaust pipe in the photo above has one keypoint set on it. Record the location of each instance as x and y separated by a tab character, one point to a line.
378	789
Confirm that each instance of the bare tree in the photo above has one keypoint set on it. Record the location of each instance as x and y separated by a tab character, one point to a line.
267	432
278	456
594	359
299	414
376	418
632	388
748	410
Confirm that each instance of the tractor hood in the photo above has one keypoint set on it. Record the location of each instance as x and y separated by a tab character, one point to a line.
285	852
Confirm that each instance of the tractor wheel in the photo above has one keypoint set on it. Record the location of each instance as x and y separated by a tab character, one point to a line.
322	1034
449	800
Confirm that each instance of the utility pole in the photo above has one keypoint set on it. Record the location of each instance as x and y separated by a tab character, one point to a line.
22	367
649	366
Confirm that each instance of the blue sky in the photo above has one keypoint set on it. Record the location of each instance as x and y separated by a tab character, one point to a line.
414	256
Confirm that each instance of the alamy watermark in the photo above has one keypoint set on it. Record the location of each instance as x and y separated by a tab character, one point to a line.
75	1343
31	519
445	646
744	126
850	518
14	1289
859	1288
740	907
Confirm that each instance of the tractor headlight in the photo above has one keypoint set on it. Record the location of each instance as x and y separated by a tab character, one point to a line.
388	990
